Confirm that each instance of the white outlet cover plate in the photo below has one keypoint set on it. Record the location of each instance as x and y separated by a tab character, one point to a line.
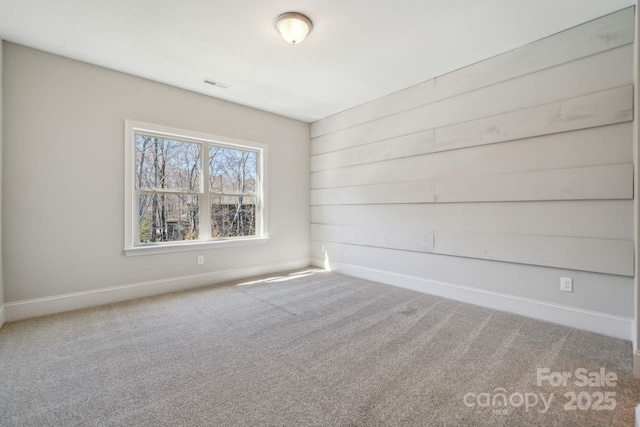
566	284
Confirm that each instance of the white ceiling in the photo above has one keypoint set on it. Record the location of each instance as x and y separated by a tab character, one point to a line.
358	50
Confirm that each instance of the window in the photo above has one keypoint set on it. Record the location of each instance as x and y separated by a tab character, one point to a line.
185	190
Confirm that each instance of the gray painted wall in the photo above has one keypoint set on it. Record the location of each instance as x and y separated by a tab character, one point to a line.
503	176
64	163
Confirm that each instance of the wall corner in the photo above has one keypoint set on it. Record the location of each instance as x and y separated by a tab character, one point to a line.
636	216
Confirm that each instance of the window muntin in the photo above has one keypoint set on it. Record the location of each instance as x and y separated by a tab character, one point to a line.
169	205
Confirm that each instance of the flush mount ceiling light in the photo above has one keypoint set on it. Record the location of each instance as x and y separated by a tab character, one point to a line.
293	27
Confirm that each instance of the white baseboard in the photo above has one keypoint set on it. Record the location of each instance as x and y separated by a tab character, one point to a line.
2	318
59	303
636	365
602	323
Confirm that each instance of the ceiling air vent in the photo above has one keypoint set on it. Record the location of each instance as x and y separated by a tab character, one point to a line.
216	84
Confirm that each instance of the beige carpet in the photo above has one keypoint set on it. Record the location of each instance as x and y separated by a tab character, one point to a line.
310	349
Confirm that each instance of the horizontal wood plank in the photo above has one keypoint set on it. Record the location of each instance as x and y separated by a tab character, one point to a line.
587	183
396	148
609	256
395	237
597	109
608	182
591	147
399	192
604	219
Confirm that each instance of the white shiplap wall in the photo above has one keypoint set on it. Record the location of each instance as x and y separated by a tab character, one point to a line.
525	159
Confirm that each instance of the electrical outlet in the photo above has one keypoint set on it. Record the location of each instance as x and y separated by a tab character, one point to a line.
200	259
566	284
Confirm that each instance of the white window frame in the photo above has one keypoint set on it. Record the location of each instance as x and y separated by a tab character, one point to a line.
131	236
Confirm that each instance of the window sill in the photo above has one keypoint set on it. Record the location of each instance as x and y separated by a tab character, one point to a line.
194	246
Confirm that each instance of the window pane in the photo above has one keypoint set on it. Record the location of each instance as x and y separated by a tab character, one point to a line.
233	216
232	170
167	217
167	163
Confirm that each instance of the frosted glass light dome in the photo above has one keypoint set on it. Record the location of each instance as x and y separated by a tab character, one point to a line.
293	27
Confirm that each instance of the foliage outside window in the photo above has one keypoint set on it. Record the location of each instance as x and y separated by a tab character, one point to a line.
190	189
